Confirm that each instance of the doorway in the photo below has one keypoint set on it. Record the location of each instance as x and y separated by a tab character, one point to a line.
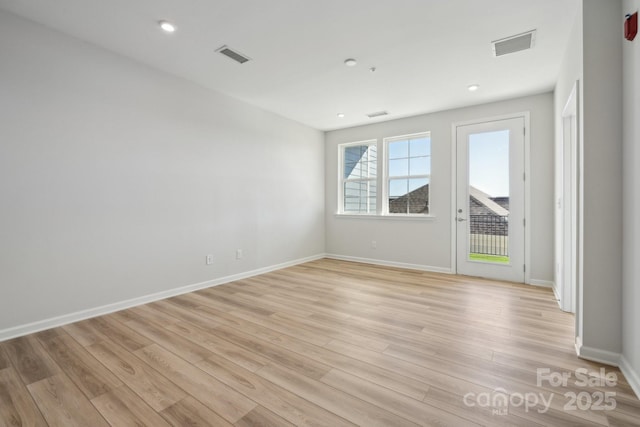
490	199
567	173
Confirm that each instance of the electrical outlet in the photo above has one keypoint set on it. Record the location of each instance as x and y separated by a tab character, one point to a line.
374	244
209	259
238	253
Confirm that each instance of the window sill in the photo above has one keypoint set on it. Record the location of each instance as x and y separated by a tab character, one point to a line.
387	217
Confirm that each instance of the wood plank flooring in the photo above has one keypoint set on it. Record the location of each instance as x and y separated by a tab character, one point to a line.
327	343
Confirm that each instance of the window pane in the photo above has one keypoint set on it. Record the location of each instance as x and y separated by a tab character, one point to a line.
489	196
353	154
352	189
419	166
359	161
420	147
372	168
399	167
359	196
398	149
349	169
353	170
408	159
398	187
398	206
489	162
416	183
372	196
418	196
351	157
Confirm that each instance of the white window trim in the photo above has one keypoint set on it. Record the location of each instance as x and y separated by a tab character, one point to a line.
390	217
341	178
382	180
384	192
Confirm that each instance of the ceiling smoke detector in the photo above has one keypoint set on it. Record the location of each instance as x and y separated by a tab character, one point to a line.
232	54
514	44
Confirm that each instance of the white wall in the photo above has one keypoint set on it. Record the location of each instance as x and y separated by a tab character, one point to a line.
631	198
116	180
427	243
594	57
602	166
570	74
608	66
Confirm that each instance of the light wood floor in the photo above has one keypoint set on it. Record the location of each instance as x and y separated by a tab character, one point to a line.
327	343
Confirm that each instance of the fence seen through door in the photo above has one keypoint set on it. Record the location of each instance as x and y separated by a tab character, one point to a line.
489	235
488	226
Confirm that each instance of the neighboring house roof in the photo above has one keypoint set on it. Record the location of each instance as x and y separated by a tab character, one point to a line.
481	202
418	201
487	202
502	201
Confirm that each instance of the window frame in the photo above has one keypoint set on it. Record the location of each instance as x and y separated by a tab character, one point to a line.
342	180
382	179
385	176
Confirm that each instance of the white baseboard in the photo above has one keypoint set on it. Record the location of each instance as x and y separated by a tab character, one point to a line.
556	293
542	283
631	375
613	359
391	263
53	322
598	355
578	344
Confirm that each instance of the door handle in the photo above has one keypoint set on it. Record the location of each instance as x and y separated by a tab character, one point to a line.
461	219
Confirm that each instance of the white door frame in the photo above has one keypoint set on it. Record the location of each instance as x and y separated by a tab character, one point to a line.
567	206
525	115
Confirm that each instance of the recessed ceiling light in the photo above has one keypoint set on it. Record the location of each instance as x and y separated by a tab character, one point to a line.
167	26
341	115
350	62
473	88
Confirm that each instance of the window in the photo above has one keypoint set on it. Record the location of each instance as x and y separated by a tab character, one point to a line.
404	180
408	174
359	182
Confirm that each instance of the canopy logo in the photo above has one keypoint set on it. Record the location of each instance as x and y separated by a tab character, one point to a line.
500	400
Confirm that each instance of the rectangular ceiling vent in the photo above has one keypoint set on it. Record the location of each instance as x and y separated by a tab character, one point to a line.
514	44
229	53
377	114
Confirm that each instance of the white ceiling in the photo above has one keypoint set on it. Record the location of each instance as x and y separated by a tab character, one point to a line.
426	52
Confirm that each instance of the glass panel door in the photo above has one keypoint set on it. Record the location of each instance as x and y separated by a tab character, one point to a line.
490	200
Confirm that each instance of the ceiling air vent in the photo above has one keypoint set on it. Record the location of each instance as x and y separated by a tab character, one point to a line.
238	57
514	44
377	114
